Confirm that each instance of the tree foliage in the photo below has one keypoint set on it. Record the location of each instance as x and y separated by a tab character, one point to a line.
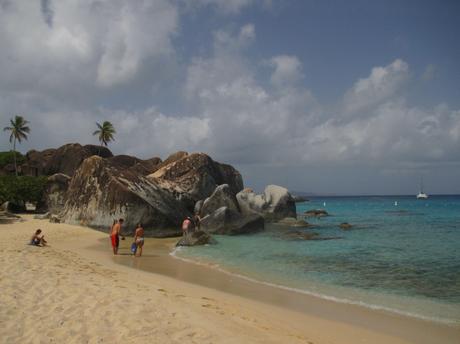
105	132
8	158
22	188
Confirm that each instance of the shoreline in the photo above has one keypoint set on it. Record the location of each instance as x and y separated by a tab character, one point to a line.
284	297
326	297
84	287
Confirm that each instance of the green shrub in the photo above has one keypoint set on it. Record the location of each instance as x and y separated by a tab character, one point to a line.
22	188
8	158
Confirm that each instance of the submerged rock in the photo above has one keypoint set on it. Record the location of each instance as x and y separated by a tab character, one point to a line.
230	222
345	226
293	222
274	204
299	235
196	238
316	213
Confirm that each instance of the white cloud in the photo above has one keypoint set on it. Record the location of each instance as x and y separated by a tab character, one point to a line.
287	70
92	42
61	60
382	83
226	6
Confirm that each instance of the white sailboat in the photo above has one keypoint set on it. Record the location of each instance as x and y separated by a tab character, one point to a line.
421	194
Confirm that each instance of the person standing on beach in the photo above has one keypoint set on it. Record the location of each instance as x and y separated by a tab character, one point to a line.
139	239
186	226
197	221
115	235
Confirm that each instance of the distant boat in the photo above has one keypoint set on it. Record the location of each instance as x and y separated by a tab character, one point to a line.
421	194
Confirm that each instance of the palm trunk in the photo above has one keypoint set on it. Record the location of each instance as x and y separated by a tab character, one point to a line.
14	156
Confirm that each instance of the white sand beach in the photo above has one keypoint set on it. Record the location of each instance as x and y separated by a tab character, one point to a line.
69	292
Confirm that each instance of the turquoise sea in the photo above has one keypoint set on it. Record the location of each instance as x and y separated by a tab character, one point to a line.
402	255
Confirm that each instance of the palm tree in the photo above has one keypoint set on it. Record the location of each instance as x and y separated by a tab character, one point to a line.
105	132
19	131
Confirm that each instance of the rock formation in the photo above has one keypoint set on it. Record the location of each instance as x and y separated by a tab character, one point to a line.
196	238
65	159
345	226
230	222
192	177
316	213
293	222
221	197
54	195
103	190
274	204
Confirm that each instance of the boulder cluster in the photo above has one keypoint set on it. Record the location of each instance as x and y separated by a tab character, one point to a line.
87	185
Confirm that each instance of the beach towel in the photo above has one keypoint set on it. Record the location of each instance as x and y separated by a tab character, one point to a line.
133	248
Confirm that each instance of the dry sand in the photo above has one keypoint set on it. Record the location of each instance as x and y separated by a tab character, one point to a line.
69	292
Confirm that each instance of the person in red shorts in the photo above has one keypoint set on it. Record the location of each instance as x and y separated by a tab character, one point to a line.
115	235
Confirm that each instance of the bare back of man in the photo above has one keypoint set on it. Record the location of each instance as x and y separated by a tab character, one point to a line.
115	235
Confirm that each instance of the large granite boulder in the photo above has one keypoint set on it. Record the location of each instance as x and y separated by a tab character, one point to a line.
54	195
13	207
36	162
274	204
191	177
221	197
146	167
65	159
230	222
196	238
101	191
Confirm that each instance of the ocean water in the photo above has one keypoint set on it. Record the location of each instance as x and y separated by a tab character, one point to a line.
403	257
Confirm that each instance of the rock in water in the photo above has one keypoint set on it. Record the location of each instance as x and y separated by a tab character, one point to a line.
221	197
230	222
274	204
316	213
195	176
345	226
293	222
102	191
196	238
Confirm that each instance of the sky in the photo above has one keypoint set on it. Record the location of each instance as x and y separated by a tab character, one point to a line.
330	97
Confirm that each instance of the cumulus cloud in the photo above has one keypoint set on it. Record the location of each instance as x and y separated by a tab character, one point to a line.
287	70
382	83
92	43
76	63
226	6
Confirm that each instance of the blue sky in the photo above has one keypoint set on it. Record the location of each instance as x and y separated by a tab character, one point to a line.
348	97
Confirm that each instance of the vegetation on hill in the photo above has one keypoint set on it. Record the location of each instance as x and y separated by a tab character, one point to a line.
8	158
21	189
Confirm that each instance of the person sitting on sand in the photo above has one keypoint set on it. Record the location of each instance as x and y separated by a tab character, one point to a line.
139	239
186	226
37	239
115	234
